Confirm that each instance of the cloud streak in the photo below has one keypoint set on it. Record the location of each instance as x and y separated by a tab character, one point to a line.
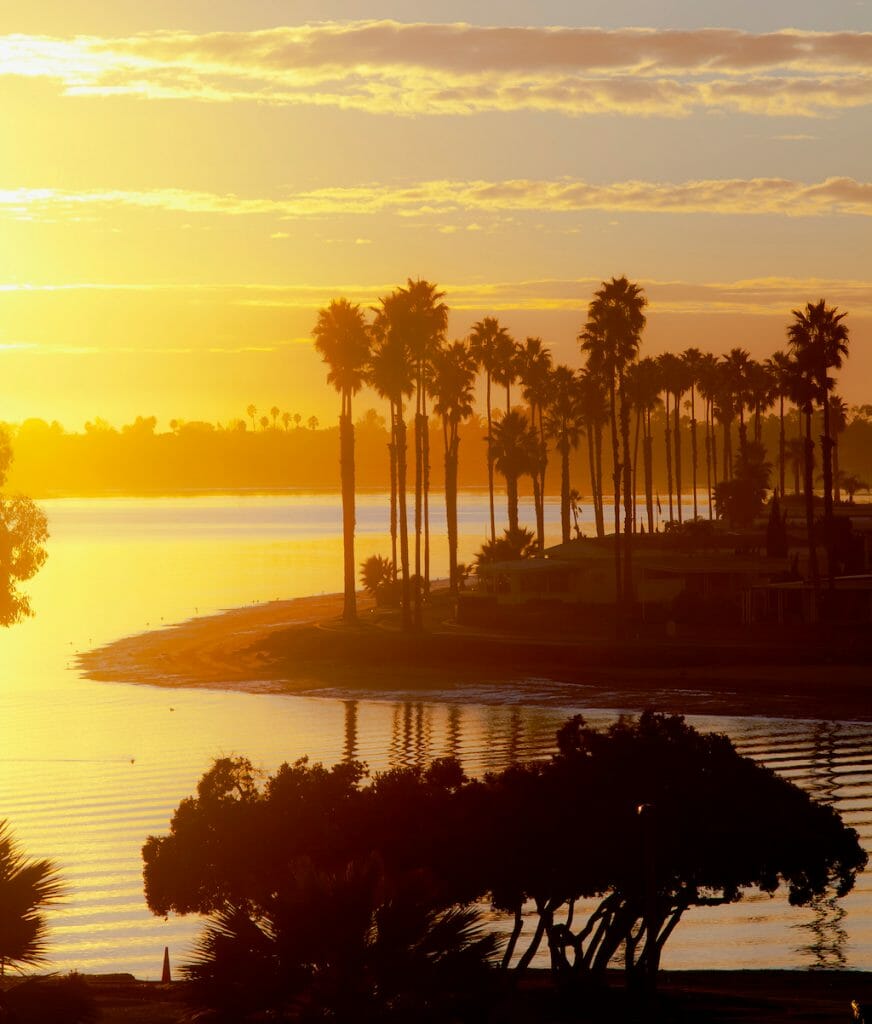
458	69
728	196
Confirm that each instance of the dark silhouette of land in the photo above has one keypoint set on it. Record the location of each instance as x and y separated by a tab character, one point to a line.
297	646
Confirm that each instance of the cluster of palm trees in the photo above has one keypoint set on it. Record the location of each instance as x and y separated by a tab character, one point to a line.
272	421
402	353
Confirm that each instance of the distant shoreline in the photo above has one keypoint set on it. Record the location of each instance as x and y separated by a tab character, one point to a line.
300	646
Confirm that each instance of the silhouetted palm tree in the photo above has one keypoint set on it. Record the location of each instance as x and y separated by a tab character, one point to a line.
452	389
274	412
780	369
286	421
737	364
514	448
312	423
505	367
534	368
708	379
593	398
693	361
853	483
669	365
803	392
27	887
761	388
342	340
838	425
564	422
795	454
484	340
644	389
390	374
264	422
611	338
251	411
819	340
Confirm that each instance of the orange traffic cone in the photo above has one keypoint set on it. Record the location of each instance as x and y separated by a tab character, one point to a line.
166	977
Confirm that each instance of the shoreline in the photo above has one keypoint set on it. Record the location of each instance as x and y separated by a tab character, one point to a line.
300	646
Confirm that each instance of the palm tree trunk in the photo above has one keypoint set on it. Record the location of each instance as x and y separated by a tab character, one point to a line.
616	482
709	415
781	444
539	478
490	461
564	490
512	501
636	466
600	507
591	460
837	488
693	449
451	446
648	456
392	452
404	519
629	509
419	488
827	442
809	506
677	441
346	470
426	456
669	455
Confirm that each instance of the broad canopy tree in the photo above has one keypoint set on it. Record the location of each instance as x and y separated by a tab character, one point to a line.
721	823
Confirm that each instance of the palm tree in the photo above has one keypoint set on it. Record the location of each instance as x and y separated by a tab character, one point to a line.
644	386
819	340
795	453
297	420
838	425
611	338
853	483
780	369
424	318
286	421
312	423
803	391
26	888
761	387
390	374
693	362
564	422
452	388
514	447
534	369
342	340
264	422
594	413
252	412
737	370
708	377
274	412
669	365
505	368
484	341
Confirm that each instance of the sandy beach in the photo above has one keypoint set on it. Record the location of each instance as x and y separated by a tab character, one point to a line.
301	646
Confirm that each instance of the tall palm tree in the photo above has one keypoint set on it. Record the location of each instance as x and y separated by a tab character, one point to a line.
611	339
452	389
795	454
533	362
390	375
594	413
514	448
780	369
761	387
644	386
564	420
693	362
669	365
26	888
505	368
737	363
819	340
425	318
680	383
484	343
342	340
803	392
838	425
708	376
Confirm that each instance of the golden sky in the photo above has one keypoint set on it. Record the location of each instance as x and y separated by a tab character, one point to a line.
182	185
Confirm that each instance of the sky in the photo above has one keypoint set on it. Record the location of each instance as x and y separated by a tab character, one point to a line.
184	184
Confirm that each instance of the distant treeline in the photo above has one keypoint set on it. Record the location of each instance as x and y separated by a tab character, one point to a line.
199	456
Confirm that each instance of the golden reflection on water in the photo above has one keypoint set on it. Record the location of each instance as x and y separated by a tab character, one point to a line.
87	770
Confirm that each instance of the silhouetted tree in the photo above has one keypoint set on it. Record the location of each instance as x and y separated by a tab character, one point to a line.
27	887
342	340
741	499
514	447
533	362
564	423
23	533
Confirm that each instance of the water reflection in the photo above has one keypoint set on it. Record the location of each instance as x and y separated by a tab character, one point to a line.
826	950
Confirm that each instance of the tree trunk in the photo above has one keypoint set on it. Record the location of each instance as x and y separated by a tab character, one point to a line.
648	457
512	500
693	449
709	415
827	443
490	461
809	506
600	508
669	456
451	509
781	445
419	493
426	457
564	493
629	497
346	469
677	442
404	519
616	483
392	451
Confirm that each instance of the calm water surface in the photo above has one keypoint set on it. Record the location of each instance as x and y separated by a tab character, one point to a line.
88	770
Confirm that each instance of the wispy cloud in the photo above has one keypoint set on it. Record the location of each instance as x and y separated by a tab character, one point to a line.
769	296
413	69
780	196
